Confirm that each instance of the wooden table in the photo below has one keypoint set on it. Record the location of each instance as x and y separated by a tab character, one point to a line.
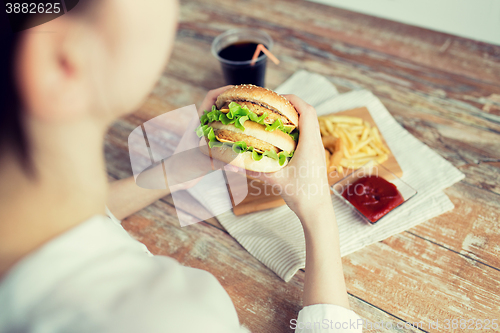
445	90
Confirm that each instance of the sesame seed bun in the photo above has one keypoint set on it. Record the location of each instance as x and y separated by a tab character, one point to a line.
260	101
262	96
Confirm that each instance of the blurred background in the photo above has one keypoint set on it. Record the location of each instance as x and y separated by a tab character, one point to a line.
475	19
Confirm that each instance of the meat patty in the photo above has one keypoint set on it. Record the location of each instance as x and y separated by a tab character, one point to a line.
272	115
230	136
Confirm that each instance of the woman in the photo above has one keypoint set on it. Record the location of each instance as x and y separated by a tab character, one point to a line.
64	266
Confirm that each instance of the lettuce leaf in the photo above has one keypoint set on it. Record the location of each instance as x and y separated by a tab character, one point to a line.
283	155
294	135
241	146
238	115
278	124
272	154
256	156
208	132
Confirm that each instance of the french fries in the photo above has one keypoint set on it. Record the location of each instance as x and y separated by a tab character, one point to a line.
338	154
327	158
344	120
329	143
350	142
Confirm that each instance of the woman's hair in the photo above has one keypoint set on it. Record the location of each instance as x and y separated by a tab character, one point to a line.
12	132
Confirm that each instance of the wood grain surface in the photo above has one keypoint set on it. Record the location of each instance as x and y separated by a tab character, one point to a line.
445	90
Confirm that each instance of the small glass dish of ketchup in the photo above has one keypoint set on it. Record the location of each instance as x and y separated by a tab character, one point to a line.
373	191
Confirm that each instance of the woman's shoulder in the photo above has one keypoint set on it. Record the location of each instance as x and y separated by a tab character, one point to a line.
96	276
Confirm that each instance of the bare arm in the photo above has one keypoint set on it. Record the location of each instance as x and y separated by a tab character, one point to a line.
311	201
324	279
126	197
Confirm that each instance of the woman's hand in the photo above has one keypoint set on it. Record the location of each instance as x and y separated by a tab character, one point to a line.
303	183
126	198
183	173
304	186
210	99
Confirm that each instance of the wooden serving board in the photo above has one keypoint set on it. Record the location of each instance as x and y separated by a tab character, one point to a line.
260	196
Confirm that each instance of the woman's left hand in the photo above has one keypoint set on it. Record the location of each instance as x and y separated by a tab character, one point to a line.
183	172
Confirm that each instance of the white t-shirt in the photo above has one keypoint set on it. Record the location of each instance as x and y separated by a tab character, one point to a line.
96	278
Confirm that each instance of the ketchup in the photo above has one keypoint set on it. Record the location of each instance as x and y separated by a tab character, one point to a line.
373	196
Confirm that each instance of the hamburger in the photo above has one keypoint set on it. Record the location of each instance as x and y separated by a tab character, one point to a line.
250	127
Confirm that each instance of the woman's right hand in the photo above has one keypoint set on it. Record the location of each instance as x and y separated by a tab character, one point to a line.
303	183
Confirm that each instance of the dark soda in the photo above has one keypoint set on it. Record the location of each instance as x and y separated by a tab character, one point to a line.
237	69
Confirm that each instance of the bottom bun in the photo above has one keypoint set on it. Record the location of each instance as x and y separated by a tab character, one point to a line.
243	160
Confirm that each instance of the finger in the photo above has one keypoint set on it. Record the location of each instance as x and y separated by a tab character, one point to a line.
308	122
211	97
234	168
214	93
189	139
300	105
241	171
270	178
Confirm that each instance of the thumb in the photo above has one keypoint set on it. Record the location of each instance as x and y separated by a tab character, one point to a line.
309	133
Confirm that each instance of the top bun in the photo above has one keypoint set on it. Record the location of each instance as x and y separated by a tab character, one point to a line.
259	95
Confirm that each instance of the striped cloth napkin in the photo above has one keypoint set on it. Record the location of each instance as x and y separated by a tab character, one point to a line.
275	236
